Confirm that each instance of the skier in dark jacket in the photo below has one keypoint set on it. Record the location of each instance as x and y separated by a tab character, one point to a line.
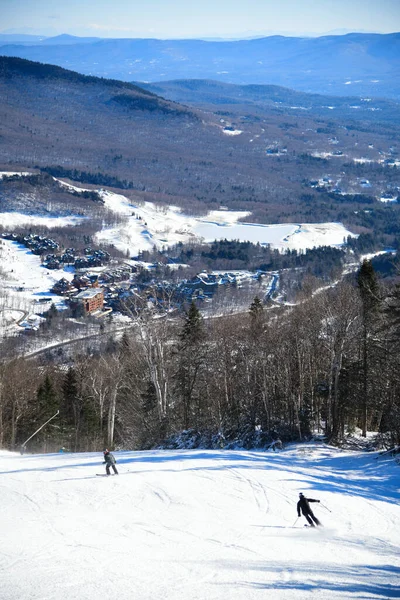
109	461
304	506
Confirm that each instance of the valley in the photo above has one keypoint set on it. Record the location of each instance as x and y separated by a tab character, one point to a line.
191	254
178	166
172	154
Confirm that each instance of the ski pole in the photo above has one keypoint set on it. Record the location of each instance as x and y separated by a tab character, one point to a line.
295	521
325	507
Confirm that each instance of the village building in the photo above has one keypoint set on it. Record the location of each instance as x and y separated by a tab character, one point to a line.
63	287
91	299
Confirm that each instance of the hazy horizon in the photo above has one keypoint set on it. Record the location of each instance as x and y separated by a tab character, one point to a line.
213	19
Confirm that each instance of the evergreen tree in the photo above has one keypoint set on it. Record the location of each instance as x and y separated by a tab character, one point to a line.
369	293
256	312
193	328
191	353
69	396
47	406
390	424
47	399
256	309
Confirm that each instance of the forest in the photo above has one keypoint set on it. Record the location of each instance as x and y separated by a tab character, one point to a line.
328	363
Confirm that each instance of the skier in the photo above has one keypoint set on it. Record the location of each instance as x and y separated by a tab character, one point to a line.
304	506
109	461
277	445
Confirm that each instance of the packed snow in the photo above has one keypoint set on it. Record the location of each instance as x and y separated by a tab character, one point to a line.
204	525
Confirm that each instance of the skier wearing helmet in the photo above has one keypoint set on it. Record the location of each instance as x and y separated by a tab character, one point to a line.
109	461
304	506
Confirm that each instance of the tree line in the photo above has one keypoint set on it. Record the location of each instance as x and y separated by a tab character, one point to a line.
329	363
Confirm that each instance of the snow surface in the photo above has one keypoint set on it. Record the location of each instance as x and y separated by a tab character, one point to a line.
23	273
283	237
12	173
16	219
232	131
148	226
199	525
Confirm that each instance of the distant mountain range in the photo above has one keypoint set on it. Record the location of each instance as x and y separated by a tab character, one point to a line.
356	64
218	95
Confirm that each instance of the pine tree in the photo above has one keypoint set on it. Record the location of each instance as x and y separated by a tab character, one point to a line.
390	423
193	328
256	312
256	309
47	399
191	354
70	393
370	299
47	406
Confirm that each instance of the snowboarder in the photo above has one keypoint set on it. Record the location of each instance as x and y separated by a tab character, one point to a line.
304	506
109	461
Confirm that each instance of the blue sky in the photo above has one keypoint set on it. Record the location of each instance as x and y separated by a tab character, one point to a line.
194	18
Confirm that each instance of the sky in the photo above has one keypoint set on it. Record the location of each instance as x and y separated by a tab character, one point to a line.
191	18
200	525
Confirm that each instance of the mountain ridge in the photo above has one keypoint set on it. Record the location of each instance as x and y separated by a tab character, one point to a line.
369	63
261	158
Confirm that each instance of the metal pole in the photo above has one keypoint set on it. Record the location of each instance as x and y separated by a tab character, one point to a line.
325	507
295	521
37	431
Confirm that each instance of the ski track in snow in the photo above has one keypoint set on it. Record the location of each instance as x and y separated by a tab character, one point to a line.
203	525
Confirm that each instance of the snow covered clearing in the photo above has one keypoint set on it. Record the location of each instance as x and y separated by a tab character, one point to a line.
23	273
206	525
289	236
148	226
386	199
16	219
232	131
12	173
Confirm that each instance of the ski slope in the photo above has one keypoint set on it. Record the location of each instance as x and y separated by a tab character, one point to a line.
199	525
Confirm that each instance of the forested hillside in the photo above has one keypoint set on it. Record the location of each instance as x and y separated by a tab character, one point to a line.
280	166
330	363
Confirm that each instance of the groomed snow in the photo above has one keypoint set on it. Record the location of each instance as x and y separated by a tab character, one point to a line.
199	525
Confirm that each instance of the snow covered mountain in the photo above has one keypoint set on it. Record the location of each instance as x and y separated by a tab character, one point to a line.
201	525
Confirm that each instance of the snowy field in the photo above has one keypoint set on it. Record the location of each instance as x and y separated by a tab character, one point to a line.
148	226
199	525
